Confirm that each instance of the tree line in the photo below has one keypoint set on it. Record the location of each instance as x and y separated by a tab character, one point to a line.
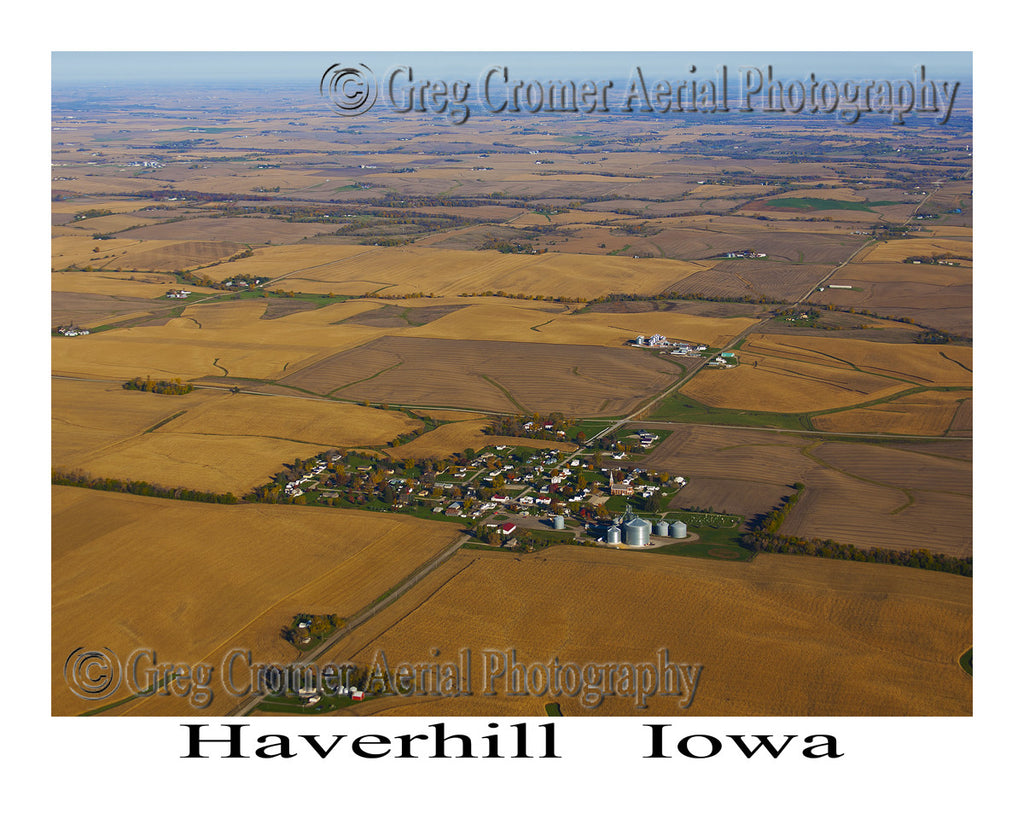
76	477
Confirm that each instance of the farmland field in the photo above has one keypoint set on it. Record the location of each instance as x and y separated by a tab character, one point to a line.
192	581
864	494
833	637
205	440
780	373
488	375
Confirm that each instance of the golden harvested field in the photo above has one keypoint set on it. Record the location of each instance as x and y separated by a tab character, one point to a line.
210	463
929	275
209	339
207	439
831	637
809	373
897	251
193	581
356	270
925	364
86	417
118	284
777	385
329	423
928	413
84	251
505	320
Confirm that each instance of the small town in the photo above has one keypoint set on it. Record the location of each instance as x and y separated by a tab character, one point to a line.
505	494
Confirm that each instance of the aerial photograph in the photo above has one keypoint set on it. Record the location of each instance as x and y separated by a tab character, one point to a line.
511	384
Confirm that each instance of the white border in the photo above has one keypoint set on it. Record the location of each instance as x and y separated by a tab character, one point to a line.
935	767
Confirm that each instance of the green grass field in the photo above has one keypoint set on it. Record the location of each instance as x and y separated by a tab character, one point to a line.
677	407
810	203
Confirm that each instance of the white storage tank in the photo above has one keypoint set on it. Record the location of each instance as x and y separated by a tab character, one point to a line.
558	522
677	529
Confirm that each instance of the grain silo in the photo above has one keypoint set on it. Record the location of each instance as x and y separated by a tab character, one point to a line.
635	531
558	522
661	528
612	535
677	529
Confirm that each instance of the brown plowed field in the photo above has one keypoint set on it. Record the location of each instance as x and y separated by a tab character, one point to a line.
863	494
573	379
780	282
174	256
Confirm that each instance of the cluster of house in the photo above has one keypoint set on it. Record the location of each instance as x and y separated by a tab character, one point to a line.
71	330
294	489
177	294
530	426
243	283
540	477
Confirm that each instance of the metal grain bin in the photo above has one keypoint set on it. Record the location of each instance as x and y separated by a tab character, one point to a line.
661	528
677	529
613	535
558	522
636	532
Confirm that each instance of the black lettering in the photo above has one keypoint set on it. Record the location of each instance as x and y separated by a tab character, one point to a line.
235	741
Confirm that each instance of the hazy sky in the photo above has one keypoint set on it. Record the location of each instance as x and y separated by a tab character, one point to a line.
78	67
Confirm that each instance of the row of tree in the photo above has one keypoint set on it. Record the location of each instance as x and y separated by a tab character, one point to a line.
76	477
816	547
